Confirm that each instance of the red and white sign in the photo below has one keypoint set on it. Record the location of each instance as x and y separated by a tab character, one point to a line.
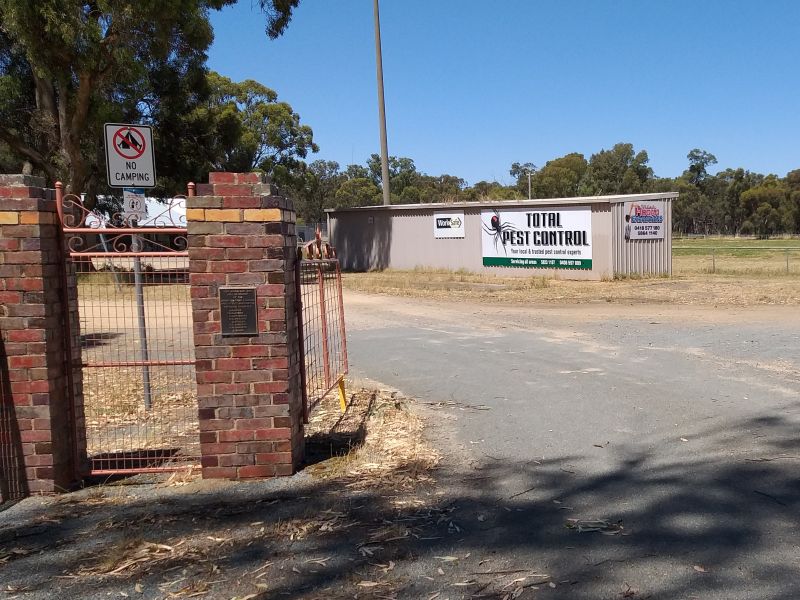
129	155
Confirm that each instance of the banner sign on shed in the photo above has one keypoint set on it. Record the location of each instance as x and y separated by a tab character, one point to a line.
532	238
448	225
129	155
644	220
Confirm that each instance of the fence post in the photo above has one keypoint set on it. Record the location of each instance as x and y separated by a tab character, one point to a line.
301	333
323	315
342	330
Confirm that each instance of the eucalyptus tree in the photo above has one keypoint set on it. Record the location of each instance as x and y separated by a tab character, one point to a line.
67	66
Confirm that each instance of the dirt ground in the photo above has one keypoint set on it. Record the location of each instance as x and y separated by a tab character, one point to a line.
365	501
702	290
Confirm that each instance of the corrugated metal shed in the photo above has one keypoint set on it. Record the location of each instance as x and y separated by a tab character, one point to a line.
401	237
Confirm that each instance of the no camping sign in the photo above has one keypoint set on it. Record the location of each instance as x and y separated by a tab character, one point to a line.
129	155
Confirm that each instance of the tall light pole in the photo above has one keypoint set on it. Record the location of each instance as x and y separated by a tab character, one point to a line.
381	109
529	169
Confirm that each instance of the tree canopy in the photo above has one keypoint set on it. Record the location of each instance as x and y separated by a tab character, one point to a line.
733	201
262	132
68	66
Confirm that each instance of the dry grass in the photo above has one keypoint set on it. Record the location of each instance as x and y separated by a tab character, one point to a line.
388	455
377	442
698	289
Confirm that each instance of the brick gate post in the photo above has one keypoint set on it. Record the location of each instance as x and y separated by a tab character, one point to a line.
242	241
38	445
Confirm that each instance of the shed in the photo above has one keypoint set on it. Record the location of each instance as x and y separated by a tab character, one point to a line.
587	238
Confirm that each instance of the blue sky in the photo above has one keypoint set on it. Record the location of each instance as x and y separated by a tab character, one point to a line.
474	85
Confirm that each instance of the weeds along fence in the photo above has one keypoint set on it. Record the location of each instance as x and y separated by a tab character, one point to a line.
736	260
321	319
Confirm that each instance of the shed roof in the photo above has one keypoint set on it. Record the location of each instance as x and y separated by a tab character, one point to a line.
612	199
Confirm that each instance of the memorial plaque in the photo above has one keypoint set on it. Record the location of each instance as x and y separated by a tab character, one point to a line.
238	311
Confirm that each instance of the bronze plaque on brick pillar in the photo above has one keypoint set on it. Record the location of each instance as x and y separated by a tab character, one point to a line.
238	311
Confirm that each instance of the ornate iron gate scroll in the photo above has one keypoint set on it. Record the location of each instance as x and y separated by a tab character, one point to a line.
323	340
135	342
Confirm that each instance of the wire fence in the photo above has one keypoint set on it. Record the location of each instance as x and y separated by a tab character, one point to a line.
323	335
736	260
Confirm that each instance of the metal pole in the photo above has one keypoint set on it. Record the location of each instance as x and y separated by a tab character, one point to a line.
298	290
137	282
381	109
323	314
529	185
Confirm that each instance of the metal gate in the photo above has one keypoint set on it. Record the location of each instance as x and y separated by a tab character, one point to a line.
323	340
133	339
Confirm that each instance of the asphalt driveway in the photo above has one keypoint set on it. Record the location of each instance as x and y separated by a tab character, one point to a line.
674	426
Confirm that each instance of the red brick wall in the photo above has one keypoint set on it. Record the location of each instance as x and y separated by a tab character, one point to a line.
249	397
37	436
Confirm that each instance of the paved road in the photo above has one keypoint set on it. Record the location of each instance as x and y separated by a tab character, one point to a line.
680	423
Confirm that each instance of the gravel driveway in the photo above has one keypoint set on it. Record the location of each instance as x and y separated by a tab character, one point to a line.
676	426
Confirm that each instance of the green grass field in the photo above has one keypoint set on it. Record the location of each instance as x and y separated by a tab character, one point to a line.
736	256
736	246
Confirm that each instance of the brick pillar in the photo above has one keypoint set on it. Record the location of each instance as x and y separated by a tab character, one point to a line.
242	235
37	434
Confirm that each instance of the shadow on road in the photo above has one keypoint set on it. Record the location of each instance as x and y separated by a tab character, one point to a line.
721	526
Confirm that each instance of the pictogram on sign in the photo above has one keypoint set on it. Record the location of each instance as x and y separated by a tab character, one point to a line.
129	142
129	155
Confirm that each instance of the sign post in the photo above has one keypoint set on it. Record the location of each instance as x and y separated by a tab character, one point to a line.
130	162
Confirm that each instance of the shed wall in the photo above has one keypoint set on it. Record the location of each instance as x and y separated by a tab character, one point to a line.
644	257
404	240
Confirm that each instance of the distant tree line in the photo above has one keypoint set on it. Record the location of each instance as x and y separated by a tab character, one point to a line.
67	67
734	201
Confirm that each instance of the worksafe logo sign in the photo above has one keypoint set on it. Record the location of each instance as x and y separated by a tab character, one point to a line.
129	155
448	225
